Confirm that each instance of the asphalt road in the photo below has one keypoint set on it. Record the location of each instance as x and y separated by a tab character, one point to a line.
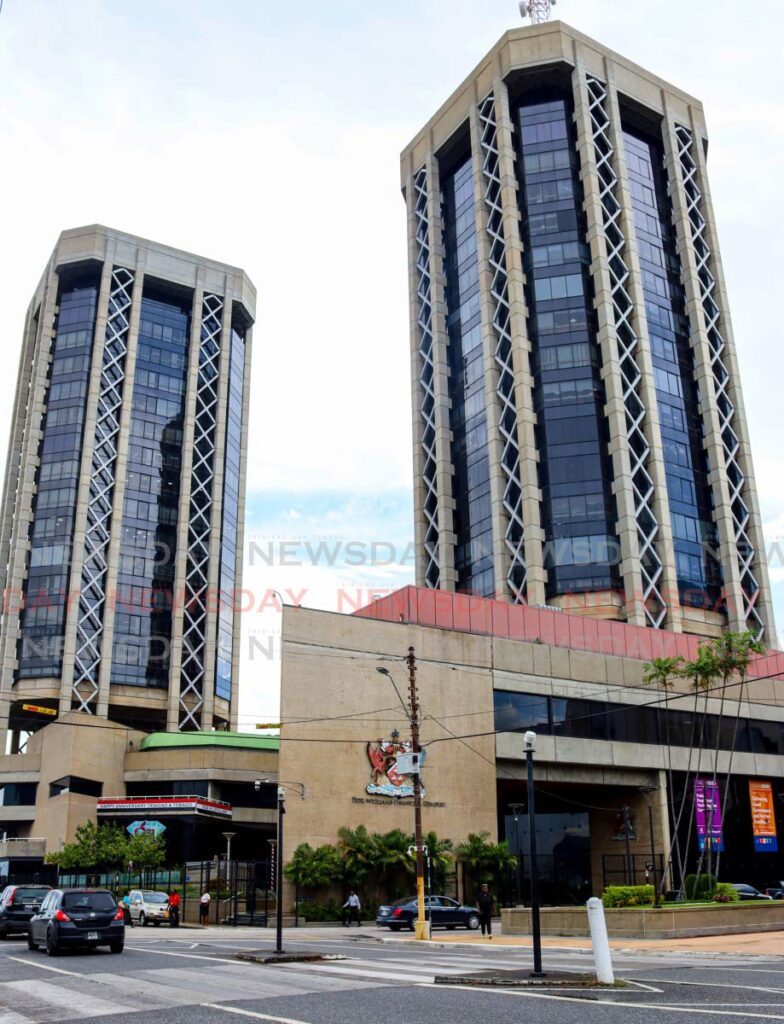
173	977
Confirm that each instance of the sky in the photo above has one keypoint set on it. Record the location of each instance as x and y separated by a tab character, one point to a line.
268	135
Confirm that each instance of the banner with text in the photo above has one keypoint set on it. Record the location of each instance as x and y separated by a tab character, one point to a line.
707	801
763	817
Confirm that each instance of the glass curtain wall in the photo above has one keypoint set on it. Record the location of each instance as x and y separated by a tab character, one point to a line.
143	619
468	419
42	621
694	534
581	551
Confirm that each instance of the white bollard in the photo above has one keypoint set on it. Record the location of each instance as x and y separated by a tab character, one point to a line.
599	941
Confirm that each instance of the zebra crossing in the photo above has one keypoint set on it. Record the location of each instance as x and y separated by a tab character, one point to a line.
148	980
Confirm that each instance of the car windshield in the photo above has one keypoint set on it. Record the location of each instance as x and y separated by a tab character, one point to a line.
155	897
32	893
88	901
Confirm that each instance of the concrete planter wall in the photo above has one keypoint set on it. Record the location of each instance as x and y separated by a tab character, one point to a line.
646	923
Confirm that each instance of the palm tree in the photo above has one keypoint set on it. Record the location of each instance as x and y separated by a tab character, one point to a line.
314	869
498	862
357	852
745	646
661	672
471	852
390	851
441	853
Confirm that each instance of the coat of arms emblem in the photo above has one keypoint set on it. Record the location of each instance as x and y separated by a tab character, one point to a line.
385	779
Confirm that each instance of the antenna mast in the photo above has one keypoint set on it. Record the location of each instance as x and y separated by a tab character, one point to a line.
537	10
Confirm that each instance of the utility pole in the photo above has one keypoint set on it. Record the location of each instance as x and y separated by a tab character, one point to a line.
421	929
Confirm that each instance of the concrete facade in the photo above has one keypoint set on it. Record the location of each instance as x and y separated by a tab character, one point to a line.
477	118
220	299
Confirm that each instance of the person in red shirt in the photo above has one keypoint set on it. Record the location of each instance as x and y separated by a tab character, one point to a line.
174	909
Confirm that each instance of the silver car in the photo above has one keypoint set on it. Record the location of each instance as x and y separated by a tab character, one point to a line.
147	907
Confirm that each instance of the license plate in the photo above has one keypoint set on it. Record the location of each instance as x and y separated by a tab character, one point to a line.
29	906
92	936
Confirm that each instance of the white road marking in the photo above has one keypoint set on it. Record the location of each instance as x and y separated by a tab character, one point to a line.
43	966
78	1004
189	956
404	974
252	1013
661	1007
713	984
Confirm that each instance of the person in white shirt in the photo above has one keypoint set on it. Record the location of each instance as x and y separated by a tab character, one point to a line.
352	908
204	909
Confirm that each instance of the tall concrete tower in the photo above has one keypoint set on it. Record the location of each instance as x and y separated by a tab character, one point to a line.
122	513
579	431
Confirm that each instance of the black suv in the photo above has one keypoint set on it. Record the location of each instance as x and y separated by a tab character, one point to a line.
17	905
77	917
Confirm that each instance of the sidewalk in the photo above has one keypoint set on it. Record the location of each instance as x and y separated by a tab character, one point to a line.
755	943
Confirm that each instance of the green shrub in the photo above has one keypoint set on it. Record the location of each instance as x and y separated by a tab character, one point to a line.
725	893
699	887
332	910
628	896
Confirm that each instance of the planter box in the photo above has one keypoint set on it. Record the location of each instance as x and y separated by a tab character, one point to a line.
670	922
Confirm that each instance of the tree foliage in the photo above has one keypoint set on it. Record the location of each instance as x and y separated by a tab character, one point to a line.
108	846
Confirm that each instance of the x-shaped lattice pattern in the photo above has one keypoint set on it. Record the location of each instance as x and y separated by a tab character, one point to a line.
427	407
194	628
92	597
514	535
721	379
628	356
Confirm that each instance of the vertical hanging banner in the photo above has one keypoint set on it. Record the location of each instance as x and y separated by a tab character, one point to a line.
763	817
707	802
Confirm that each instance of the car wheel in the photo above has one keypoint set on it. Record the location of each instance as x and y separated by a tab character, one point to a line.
394	927
451	927
3	934
473	922
52	948
30	943
411	925
142	920
157	924
116	947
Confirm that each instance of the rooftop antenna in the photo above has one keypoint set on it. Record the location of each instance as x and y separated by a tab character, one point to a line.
537	10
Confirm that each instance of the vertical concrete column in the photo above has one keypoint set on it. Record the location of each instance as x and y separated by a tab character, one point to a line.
121	474
216	512
536	575
432	457
236	640
29	409
708	408
68	697
500	516
655	464
183	517
615	412
730	359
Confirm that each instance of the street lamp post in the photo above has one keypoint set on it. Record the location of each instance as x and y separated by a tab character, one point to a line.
279	871
517	810
530	742
228	836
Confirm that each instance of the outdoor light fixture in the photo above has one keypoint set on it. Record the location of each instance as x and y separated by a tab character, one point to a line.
530	740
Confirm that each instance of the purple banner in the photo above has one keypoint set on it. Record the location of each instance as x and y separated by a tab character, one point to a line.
707	803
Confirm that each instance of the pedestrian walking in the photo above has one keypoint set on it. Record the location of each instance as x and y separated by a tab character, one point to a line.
174	908
204	909
484	906
126	909
352	908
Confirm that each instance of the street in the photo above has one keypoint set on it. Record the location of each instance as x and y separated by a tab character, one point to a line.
191	975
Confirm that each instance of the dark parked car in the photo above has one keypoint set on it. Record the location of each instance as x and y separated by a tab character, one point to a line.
17	905
774	889
77	917
442	912
748	892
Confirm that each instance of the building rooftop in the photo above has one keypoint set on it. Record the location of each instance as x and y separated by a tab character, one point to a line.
485	616
162	740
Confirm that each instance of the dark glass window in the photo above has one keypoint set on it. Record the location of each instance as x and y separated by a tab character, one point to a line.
471	474
148	543
582	719
518	712
568	389
42	621
698	571
231	494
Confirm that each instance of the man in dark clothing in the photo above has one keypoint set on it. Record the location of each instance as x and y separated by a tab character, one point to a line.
484	906
174	909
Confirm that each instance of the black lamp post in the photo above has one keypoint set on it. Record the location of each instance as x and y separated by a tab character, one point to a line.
530	742
279	871
517	810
